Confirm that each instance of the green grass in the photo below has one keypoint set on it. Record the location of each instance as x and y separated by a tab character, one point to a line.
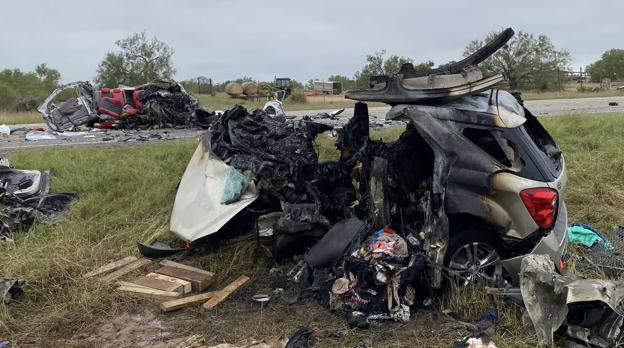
127	194
24	117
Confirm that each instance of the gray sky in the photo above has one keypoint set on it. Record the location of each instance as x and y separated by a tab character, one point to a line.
302	40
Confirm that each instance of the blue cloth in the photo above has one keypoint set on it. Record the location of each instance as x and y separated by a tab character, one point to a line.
587	237
235	184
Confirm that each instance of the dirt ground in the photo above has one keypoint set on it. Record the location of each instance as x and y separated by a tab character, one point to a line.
241	320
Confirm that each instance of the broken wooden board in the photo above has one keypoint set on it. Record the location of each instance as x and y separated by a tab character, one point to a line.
223	294
186	285
186	267
185	302
199	281
133	266
110	267
159	284
150	293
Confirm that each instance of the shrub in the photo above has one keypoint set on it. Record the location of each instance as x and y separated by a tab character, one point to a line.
297	97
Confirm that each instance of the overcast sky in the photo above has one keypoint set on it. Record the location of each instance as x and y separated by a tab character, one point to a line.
298	39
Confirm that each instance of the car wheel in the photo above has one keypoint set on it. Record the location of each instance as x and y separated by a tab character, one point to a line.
473	257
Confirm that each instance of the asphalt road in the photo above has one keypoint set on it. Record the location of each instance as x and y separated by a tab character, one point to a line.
551	107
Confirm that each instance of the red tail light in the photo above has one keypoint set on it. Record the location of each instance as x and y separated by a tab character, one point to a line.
542	205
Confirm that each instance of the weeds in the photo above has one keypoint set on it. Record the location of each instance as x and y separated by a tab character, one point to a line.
23	117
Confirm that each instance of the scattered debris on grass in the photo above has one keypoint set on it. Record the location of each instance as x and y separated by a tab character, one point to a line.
168	283
590	310
10	289
26	201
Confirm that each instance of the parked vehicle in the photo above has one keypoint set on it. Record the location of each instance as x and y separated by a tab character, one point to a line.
327	87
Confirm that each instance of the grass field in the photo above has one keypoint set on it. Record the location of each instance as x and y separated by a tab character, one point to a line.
7	117
127	194
568	94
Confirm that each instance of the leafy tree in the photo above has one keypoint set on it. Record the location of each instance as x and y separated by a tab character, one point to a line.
48	75
21	90
220	87
428	65
198	85
347	83
139	60
611	66
376	64
297	85
526	61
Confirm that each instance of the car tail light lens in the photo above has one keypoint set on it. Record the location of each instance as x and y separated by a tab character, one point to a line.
542	205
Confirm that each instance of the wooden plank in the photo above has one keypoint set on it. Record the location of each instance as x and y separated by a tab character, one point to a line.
186	285
159	284
110	267
199	281
130	284
186	267
185	302
150	293
133	266
223	294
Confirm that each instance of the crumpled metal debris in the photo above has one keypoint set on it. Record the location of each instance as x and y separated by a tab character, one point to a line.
25	200
161	103
166	104
11	288
451	80
157	249
592	310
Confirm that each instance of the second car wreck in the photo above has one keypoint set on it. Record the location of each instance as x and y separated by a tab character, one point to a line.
157	104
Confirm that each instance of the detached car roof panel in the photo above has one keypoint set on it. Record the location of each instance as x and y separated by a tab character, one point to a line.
494	108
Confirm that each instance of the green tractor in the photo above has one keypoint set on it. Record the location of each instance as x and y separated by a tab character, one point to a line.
283	84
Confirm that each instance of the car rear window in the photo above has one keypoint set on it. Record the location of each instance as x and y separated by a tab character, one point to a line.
486	141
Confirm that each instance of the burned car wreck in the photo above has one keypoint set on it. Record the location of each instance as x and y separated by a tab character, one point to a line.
472	186
161	103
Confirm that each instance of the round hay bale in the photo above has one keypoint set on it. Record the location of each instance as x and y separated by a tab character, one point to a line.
234	89
250	88
264	90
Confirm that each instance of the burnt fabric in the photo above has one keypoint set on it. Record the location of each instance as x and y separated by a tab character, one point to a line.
335	243
279	155
165	103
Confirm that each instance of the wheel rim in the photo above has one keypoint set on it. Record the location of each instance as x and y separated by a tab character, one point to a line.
475	261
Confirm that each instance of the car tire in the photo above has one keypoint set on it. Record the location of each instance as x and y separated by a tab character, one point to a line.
462	268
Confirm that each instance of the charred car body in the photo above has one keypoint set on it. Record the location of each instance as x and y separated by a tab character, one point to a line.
505	176
473	184
158	104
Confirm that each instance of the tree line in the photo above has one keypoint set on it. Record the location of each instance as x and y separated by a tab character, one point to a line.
527	61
